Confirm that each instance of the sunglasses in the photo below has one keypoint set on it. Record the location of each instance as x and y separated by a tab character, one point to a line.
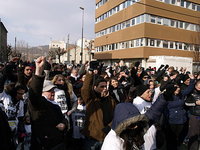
28	69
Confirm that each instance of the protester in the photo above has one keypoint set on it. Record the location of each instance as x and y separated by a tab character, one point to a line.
99	111
48	123
99	88
193	102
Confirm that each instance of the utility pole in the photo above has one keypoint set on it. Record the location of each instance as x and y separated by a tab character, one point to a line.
75	52
15	43
82	35
68	51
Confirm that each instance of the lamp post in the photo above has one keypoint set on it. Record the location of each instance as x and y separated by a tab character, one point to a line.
82	35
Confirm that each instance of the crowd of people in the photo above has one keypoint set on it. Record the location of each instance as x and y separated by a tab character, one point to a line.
90	106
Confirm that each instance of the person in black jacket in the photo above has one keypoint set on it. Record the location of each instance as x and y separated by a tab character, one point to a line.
5	132
24	74
117	91
193	102
47	120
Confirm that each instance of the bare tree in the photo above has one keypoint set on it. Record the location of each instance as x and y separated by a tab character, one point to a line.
8	51
16	54
52	54
59	52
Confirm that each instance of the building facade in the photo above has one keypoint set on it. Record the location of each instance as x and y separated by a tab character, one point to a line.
73	54
137	29
3	43
57	44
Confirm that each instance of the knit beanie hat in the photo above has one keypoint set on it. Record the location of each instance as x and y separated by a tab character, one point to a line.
185	77
140	89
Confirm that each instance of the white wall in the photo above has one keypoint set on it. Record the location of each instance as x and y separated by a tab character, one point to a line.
171	61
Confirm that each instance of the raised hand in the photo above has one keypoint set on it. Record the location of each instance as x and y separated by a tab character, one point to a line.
39	63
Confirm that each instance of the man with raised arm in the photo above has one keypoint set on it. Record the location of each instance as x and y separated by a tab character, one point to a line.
48	123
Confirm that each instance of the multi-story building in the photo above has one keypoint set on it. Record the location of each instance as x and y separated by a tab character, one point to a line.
73	54
57	44
133	30
3	43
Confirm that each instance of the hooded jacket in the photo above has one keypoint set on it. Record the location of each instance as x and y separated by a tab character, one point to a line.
125	114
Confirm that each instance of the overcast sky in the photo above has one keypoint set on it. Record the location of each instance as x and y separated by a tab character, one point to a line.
39	21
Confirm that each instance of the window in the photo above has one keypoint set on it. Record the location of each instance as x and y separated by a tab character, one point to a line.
159	20
158	43
142	19
137	42
138	20
171	45
113	28
147	18
133	21
182	3
185	46
147	42
116	46
197	28
132	43
128	23
114	10
166	22
173	23
153	19
167	1
121	6
165	44
192	27
122	45
176	45
124	5
198	7
123	25
126	45
180	46
187	26
152	42
193	6
173	2
143	42
117	8
128	3
188	4
191	47
181	24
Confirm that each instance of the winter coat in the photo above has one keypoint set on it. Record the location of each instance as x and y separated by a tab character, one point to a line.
125	114
5	133
119	94
191	102
146	107
176	111
45	116
99	111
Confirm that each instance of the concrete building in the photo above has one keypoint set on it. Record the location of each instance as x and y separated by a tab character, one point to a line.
57	44
3	43
133	30
74	52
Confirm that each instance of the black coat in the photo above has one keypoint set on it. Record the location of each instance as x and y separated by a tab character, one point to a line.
5	133
45	116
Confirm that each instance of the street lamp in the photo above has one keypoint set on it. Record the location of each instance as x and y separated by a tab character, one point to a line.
82	35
